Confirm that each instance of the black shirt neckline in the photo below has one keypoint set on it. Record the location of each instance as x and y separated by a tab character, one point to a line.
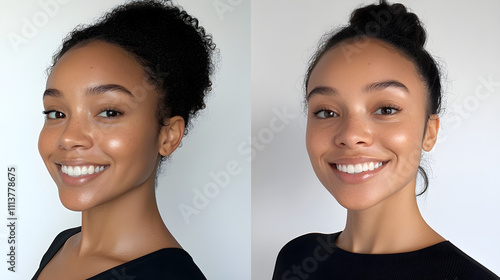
427	249
61	239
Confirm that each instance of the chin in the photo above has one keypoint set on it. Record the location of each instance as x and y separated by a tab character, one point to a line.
74	205
356	205
356	200
75	202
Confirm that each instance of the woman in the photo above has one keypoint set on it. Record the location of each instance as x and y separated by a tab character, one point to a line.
373	96
119	98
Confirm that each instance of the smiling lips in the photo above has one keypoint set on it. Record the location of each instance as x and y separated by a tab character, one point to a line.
358	168
358	171
77	171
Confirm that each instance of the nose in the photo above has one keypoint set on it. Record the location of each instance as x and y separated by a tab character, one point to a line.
353	131
76	135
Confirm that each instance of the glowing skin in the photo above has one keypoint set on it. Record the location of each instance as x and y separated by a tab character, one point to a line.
100	127
369	107
101	143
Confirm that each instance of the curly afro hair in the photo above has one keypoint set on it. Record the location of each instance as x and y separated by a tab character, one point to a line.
175	51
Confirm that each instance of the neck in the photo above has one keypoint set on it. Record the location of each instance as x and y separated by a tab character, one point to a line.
394	225
125	227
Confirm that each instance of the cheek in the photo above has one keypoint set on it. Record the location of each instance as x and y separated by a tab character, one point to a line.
318	142
46	142
312	143
406	143
115	144
136	145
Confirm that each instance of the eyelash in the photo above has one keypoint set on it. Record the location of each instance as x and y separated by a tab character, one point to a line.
388	106
326	111
391	107
47	113
119	113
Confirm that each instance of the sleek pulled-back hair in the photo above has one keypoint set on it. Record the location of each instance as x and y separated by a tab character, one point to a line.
395	25
172	47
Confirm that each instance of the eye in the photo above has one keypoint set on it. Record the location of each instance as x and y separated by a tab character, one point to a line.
53	114
110	113
325	114
387	110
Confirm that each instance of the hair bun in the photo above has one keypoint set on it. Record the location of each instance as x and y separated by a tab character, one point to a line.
392	21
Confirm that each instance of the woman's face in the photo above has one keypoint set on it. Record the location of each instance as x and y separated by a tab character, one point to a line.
366	123
100	138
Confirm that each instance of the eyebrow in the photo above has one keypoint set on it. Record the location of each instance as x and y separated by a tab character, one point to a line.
385	84
100	89
324	90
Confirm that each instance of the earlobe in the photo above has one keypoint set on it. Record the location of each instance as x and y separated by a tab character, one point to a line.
171	135
431	133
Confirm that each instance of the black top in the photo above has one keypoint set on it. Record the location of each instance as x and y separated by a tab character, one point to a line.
315	256
167	263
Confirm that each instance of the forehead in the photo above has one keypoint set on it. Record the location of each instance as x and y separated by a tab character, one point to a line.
351	64
96	63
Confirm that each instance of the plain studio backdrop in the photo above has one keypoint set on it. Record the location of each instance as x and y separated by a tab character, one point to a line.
287	199
216	230
462	200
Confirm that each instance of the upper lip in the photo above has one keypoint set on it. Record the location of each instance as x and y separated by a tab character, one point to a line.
77	162
356	160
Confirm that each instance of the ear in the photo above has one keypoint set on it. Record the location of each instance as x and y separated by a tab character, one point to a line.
171	135
431	132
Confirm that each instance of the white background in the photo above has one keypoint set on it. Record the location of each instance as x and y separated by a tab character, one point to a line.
462	202
218	238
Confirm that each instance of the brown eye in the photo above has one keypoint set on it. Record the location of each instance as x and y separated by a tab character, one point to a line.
325	114
386	110
109	114
53	114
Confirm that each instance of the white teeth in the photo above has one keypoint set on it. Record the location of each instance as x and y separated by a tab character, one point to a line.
78	171
350	168
358	168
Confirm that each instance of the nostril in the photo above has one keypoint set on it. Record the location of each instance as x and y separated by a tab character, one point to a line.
72	139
